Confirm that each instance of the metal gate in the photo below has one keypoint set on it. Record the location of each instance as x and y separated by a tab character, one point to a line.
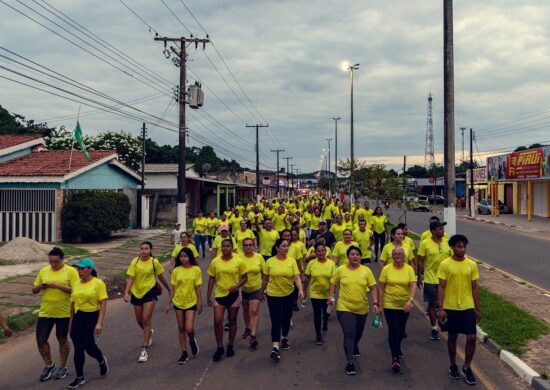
27	213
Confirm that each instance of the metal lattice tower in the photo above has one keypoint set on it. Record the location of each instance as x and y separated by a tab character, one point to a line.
429	150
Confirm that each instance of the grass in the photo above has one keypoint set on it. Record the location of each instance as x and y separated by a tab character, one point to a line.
20	321
508	325
6	262
130	244
71	250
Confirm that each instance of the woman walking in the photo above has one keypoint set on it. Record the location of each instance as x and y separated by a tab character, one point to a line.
227	273
243	233
379	223
397	292
200	225
185	242
397	241
340	252
89	304
281	274
141	291
353	281
318	274
186	281
251	291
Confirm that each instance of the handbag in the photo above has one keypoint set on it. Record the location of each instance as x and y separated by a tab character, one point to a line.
157	288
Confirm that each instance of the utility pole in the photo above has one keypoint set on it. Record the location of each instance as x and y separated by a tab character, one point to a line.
472	191
449	210
462	129
181	61
404	169
143	135
336	148
328	161
287	168
277	174
257	126
292	174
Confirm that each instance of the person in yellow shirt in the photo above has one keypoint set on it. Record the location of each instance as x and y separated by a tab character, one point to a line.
458	302
200	226
329	211
407	241
185	295
379	224
281	277
306	220
428	234
279	219
141	291
240	207
251	291
255	217
368	213
337	228
185	242
340	252
268	212
348	223
268	235
397	241
228	213
363	237
353	281
297	249
217	245
314	224
227	273
312	254
212	226
235	222
88	308
397	292
241	234
318	274
55	283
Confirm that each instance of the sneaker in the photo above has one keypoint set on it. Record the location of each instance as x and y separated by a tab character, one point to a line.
453	372
143	356
62	372
284	343
469	377
319	341
218	354
253	342
226	327
183	358
350	369
246	333
325	327
151	338
401	355
435	335
77	382
47	373
396	365
194	347
356	352
230	352
275	354
104	367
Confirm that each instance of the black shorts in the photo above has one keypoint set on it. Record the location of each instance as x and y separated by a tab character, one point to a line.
228	300
192	308
149	296
461	321
430	293
254	295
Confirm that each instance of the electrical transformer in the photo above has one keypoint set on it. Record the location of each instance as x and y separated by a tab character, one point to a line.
196	96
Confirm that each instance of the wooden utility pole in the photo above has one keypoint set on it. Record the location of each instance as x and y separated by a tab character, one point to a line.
277	174
257	126
472	190
287	168
143	135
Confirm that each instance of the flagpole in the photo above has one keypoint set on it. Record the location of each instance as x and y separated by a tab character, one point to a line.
72	141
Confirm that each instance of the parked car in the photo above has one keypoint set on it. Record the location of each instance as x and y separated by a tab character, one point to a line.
410	197
485	207
419	203
433	199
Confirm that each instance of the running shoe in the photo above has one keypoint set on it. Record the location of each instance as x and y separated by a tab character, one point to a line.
47	373
246	333
319	341
396	365
453	372
275	354
226	327
435	335
253	342
469	377
104	367
194	347
356	352
218	354
76	383
230	352
285	344
183	358
151	338
62	372
143	356
401	355
350	369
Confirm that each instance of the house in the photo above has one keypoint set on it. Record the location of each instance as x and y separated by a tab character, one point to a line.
34	182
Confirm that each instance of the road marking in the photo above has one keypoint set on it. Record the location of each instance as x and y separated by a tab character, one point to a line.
199	383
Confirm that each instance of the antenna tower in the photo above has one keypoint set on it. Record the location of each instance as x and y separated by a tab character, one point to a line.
429	150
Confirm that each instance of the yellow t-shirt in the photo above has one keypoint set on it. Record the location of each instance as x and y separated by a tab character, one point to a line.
212	225
184	281
428	234
267	240
144	277
361	212
179	247
458	289
340	250
409	242
306	219
434	254
328	210
87	296
56	303
279	222
379	223
338	231
227	273
354	286
217	244
387	258
311	251
397	281
297	250
363	239
320	274
281	276
235	223
228	214
255	266
314	224
241	208
252	217
269	213
199	226
240	236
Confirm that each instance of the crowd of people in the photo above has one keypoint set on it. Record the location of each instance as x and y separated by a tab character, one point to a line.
281	251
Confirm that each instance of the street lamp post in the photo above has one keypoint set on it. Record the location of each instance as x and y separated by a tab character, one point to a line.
336	146
351	68
328	163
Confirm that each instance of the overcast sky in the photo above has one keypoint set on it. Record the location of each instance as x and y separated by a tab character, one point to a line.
287	57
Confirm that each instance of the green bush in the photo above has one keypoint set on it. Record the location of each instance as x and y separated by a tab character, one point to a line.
92	215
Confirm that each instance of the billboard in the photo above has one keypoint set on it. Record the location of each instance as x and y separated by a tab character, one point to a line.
480	175
526	164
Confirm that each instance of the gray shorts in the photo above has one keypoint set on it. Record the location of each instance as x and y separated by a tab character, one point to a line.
255	295
430	293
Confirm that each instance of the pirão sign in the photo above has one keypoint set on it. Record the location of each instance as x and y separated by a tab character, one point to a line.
525	164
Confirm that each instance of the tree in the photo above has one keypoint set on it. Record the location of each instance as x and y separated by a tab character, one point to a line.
417	171
17	124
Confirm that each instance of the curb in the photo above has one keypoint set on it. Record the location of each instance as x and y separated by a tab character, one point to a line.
540	384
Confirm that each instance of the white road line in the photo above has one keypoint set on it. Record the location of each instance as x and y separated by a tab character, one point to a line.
199	383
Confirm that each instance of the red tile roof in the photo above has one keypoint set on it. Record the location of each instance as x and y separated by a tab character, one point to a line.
50	163
9	140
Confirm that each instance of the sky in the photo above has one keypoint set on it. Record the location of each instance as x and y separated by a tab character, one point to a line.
286	56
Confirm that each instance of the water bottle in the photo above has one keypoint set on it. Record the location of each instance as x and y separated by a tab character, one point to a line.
377	322
330	307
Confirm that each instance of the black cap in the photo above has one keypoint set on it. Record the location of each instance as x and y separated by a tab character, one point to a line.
436	224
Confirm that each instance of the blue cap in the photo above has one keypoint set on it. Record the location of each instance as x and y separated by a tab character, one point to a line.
85	262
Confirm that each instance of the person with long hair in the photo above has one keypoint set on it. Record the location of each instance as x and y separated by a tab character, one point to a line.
142	293
281	274
339	254
184	242
397	241
88	308
185	295
379	222
363	236
338	227
228	273
243	233
251	291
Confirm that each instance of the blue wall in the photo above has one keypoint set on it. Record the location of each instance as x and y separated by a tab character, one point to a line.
18	153
103	177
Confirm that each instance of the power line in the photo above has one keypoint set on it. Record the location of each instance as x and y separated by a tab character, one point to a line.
177	18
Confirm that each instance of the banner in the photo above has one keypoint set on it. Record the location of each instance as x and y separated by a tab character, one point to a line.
525	164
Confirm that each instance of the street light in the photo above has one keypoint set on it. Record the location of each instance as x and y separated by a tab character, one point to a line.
328	163
351	68
336	146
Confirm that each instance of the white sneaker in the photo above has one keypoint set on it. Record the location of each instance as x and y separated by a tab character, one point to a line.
151	338
143	356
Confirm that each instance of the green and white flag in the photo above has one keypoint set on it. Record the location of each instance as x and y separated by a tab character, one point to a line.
80	140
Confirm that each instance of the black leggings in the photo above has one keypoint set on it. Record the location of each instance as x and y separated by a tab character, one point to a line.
280	312
82	334
44	327
379	241
319	311
396	321
352	325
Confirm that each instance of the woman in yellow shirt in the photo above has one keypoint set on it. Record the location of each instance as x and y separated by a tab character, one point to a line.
379	223
89	304
251	290
217	245
281	274
186	281
354	281
200	225
397	241
243	233
141	292
311	254
318	274
397	292
340	251
338	228
227	273
212	225
185	242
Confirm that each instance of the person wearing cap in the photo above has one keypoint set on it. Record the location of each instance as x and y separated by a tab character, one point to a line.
224	235
176	233
55	282
428	233
431	253
89	304
330	240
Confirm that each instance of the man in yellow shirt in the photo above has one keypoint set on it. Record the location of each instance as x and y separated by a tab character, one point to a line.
427	233
200	225
458	302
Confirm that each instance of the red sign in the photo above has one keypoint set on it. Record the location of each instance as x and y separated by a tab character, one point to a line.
525	164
